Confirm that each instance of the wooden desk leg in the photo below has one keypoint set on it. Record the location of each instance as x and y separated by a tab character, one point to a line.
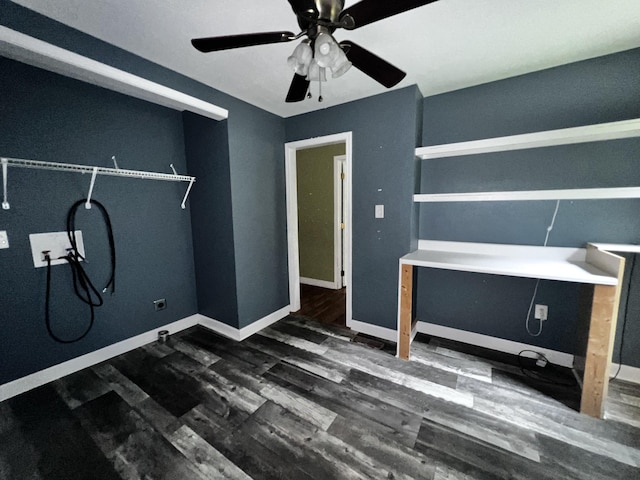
604	313
406	297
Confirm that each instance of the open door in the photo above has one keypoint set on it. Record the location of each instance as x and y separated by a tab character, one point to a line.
341	221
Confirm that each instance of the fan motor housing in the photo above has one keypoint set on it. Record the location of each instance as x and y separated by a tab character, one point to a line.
330	9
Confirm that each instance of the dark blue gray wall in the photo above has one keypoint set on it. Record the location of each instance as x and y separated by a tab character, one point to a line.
384	136
255	163
239	214
256	142
600	90
45	116
207	152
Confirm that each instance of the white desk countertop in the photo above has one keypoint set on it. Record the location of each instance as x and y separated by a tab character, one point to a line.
548	263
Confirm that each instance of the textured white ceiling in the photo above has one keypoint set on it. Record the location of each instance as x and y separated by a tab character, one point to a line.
445	46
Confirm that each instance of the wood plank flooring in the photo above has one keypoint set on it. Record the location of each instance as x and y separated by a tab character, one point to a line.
300	401
323	304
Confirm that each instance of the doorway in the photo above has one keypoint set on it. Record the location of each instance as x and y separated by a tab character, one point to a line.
322	295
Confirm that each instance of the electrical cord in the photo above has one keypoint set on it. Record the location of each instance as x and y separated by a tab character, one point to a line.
624	320
535	290
527	372
82	286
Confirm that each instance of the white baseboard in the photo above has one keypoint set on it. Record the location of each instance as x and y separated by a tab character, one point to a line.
240	334
319	283
264	322
627	373
37	379
493	343
373	330
55	372
219	327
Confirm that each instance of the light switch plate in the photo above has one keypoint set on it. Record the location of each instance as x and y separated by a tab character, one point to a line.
379	211
57	243
4	239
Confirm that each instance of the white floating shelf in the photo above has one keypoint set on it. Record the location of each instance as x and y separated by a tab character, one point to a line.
565	136
29	50
573	194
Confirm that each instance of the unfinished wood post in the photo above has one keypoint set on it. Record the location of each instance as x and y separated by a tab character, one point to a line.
604	313
406	297
602	328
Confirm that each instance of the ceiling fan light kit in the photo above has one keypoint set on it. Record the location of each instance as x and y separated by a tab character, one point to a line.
312	63
318	19
316	72
301	57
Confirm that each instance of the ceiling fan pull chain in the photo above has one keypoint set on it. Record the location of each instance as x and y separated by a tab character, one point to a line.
320	88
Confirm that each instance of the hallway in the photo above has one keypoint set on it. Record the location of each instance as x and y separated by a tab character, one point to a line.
323	304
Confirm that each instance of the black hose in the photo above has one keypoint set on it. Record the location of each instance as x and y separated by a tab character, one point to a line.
82	286
47	318
71	233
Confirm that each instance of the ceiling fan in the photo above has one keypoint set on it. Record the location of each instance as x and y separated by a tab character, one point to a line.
319	51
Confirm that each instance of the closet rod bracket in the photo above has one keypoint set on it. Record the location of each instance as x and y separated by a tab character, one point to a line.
186	195
87	205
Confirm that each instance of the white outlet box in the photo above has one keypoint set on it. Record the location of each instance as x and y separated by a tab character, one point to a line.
4	239
57	243
541	312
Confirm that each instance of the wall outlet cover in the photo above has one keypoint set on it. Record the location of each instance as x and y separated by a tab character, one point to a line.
541	312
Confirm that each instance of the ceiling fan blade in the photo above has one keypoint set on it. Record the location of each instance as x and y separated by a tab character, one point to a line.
213	44
298	89
369	11
377	68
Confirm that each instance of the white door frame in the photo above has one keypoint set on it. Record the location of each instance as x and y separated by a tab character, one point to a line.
290	149
338	214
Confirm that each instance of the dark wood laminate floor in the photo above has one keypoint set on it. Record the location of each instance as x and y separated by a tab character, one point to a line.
301	401
323	304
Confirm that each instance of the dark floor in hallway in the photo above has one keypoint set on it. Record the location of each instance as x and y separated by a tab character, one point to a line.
323	304
299	401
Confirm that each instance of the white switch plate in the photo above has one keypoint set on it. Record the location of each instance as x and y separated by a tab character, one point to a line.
57	243
379	211
4	239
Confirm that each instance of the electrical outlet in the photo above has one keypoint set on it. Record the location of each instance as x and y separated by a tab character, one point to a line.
4	239
160	304
541	312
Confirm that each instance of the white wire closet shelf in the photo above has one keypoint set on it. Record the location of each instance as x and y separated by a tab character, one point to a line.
94	171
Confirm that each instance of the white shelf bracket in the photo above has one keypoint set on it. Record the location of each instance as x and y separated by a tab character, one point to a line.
174	169
5	202
186	195
115	163
93	182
